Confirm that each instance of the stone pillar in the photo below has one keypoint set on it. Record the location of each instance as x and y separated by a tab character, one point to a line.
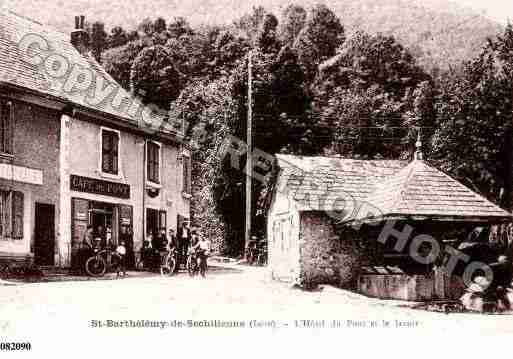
63	256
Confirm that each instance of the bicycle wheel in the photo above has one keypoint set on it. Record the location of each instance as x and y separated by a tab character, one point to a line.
191	266
203	268
96	266
168	268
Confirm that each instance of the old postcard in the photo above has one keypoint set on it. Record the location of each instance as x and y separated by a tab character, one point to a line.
256	178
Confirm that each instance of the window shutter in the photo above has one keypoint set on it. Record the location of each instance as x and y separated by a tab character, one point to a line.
6	127
10	129
156	164
187	175
17	215
115	147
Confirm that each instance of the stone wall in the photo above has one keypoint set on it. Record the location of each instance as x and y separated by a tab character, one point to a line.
325	256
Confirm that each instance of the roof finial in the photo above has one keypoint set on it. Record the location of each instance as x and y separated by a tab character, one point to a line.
418	146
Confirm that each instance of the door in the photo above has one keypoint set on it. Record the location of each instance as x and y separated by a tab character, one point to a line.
44	236
152	221
126	234
79	215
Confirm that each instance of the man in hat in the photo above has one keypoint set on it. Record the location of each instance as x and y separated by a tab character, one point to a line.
184	240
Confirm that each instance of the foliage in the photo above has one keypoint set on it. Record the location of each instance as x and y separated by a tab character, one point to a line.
206	107
367	92
316	92
118	61
98	37
474	115
118	37
319	39
292	22
154	76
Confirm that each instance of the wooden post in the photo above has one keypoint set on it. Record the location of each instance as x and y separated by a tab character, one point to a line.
249	158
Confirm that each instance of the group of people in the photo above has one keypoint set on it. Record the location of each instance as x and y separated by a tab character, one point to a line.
187	240
154	245
102	238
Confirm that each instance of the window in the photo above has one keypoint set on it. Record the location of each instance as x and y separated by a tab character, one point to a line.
11	215
155	221
6	127
153	162
187	175
110	152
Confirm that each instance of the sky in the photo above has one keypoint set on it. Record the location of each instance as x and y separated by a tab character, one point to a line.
60	13
500	10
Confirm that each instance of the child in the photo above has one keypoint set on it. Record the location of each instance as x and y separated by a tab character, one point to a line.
121	251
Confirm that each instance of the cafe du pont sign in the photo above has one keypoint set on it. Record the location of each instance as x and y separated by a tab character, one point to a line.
96	186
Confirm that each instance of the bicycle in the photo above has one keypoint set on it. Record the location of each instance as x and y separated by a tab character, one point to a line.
192	263
168	263
101	261
164	262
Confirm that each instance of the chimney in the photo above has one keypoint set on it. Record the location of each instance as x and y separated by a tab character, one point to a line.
79	36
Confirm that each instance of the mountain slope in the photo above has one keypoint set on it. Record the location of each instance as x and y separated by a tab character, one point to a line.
440	33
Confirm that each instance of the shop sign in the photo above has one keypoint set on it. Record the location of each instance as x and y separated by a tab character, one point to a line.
101	187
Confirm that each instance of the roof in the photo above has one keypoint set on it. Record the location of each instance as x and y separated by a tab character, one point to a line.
422	190
318	183
392	188
16	70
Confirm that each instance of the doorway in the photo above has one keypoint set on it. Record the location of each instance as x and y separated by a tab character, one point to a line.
44	236
101	218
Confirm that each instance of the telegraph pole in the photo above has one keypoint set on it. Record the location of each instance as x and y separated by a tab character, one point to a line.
249	158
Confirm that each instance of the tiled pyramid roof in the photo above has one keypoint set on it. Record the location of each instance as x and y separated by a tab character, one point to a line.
394	188
422	190
320	182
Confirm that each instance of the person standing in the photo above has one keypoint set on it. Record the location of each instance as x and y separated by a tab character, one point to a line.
121	252
203	249
172	239
125	235
184	241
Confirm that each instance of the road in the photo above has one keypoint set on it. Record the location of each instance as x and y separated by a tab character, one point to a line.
63	312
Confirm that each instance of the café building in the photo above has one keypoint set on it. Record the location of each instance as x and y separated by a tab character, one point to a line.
77	150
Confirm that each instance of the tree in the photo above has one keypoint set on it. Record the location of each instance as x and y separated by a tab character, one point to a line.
318	41
159	25
376	96
249	25
267	39
154	76
118	61
364	123
206	107
118	37
292	22
368	60
421	117
132	35
98	39
180	26
474	117
228	50
146	26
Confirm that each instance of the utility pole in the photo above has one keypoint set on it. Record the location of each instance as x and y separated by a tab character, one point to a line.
249	158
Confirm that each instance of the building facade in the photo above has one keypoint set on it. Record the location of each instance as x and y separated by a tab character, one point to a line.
69	161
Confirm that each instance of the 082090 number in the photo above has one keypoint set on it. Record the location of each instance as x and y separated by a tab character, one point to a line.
14	346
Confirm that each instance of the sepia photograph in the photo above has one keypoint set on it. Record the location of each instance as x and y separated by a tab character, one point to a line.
256	178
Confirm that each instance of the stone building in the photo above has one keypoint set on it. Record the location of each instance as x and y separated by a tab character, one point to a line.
327	218
78	150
